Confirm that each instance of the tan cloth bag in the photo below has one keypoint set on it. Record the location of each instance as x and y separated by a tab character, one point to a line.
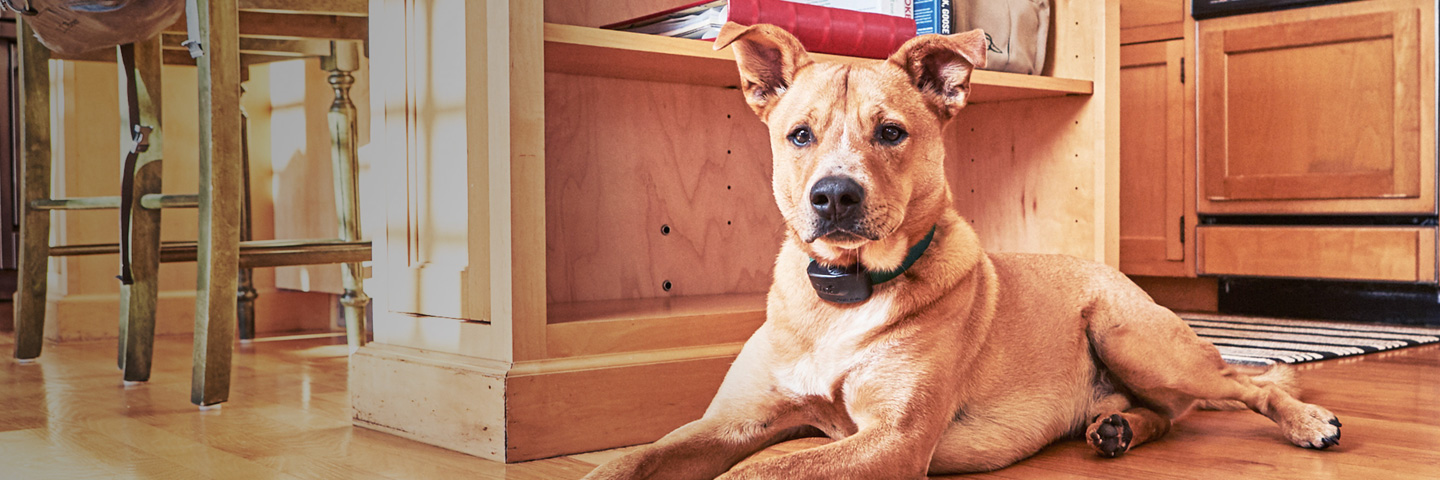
79	26
1016	31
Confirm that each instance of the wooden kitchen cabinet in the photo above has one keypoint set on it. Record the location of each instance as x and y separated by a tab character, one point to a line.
1319	110
1152	20
1391	254
1152	159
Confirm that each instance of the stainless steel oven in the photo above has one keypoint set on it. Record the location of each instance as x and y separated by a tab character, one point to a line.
1203	9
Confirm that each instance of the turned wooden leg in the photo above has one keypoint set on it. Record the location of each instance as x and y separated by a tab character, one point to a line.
245	295
140	292
34	185
345	58
218	250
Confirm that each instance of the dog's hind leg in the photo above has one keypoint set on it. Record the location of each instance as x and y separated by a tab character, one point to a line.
1116	432
1168	367
995	438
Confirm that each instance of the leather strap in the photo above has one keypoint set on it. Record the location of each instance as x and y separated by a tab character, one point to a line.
192	29
140	142
911	256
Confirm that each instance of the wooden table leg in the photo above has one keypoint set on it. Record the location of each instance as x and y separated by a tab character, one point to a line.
345	58
34	185
138	299
218	256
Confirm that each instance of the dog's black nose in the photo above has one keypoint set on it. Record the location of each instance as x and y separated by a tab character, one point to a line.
836	198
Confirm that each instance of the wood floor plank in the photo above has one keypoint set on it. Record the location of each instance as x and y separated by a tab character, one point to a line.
207	461
75	452
68	416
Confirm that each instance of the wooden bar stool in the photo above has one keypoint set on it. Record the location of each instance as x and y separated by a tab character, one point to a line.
220	253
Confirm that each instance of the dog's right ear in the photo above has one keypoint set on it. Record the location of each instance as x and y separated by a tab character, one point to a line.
940	67
768	57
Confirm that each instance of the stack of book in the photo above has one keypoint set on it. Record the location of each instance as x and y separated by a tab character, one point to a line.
861	28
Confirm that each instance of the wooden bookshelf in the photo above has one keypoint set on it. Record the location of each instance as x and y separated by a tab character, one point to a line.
608	53
535	302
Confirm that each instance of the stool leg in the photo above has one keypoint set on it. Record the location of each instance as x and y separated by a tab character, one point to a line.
138	299
218	249
34	185
245	296
344	58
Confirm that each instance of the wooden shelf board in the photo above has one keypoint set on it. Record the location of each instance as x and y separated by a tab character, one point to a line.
727	305
580	329
607	53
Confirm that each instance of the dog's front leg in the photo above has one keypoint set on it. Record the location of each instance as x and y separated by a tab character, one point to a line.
745	417
699	450
900	409
870	454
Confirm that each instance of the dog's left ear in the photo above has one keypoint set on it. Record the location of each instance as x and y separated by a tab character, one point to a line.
768	57
940	67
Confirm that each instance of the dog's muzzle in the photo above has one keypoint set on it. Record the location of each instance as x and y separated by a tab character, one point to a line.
839	204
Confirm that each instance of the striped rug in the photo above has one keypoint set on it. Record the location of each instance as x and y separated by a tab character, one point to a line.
1265	341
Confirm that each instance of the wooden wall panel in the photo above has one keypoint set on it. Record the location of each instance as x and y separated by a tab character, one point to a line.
624	159
1024	176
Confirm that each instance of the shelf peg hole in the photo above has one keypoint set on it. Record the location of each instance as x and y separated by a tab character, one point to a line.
665	285
665	229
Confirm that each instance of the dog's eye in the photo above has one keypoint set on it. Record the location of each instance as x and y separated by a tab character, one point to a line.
801	136
890	134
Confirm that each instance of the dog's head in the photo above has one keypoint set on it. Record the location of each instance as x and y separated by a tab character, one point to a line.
859	159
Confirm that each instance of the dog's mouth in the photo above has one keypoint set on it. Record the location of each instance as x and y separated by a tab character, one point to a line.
850	233
843	238
848	238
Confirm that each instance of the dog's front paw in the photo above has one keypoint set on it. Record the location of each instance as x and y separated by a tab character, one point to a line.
1110	435
624	468
1312	427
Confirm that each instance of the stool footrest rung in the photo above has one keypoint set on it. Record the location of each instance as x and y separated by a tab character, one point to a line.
253	254
82	203
156	201
151	201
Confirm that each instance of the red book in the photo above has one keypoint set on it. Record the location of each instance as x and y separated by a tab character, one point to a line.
828	30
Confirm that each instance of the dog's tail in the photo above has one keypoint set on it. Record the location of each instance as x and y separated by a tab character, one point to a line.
1280	375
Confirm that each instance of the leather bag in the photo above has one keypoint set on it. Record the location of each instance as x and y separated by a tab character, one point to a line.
1015	30
78	26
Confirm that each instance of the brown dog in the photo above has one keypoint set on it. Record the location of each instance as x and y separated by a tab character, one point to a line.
964	361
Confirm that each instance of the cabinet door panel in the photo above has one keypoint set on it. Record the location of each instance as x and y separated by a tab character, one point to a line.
1317	109
1152	106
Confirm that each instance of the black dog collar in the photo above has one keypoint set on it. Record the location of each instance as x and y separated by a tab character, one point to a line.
852	284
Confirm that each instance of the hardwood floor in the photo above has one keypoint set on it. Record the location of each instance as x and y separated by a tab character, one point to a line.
67	416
